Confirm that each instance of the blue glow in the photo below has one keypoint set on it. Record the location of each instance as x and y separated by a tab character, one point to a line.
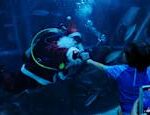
84	11
84	8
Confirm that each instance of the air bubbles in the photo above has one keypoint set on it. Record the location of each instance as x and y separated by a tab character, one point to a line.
69	18
84	9
89	23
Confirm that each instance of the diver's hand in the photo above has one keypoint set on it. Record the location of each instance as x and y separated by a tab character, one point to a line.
84	56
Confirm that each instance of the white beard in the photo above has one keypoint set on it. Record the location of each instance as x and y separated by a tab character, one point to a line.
66	42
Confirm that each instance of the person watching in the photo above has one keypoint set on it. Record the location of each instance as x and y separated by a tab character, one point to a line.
130	76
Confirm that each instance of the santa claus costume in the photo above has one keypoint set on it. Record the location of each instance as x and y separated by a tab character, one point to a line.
52	52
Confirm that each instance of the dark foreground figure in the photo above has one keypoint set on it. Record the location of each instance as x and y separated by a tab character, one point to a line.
85	93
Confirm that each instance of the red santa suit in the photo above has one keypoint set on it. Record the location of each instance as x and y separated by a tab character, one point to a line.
52	52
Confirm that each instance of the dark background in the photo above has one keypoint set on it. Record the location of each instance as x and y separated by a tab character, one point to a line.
21	19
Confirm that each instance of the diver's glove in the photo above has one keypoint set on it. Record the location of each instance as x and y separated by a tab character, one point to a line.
84	56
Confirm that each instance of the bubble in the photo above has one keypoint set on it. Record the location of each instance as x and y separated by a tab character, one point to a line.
68	17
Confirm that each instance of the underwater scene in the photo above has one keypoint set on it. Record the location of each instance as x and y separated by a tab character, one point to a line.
74	57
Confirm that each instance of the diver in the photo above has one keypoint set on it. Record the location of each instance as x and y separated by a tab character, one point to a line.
51	54
130	76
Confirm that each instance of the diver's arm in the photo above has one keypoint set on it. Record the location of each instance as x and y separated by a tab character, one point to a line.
96	64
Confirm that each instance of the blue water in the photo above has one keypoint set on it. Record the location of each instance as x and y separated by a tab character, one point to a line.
105	25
